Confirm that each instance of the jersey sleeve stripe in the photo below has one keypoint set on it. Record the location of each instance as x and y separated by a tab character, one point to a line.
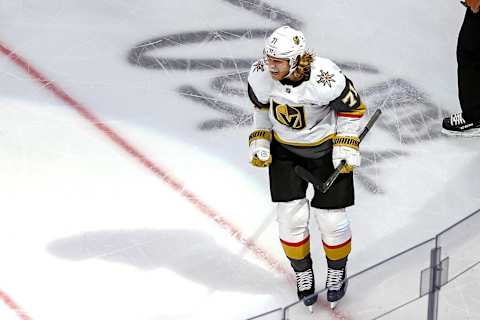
353	113
349	115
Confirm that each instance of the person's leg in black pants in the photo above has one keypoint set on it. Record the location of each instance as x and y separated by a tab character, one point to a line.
467	123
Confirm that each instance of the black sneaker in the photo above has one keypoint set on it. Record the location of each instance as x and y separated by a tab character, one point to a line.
306	287
456	125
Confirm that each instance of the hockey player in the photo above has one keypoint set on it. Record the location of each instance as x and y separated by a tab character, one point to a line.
467	122
306	112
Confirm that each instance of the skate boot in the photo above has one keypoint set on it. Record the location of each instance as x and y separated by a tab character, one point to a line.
306	287
336	285
456	125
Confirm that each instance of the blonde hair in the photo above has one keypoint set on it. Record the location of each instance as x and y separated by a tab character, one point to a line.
304	66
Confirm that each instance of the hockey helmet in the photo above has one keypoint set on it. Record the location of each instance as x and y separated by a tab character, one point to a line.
286	43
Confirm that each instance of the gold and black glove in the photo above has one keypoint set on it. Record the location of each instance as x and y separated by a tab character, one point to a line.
259	143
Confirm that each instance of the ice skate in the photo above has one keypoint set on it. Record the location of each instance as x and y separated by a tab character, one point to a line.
306	288
456	125
336	285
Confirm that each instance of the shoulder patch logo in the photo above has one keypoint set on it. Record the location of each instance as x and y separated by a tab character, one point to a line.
325	78
258	66
296	40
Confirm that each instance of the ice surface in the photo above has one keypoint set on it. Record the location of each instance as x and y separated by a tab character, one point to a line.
182	226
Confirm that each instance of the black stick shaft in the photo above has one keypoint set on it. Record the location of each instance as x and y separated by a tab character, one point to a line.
327	184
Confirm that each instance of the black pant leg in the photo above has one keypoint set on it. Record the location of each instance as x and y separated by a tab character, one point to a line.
468	58
285	185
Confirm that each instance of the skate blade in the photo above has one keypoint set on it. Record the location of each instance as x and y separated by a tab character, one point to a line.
333	305
310	308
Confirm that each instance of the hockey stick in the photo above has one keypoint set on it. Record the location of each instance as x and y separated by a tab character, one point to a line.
324	186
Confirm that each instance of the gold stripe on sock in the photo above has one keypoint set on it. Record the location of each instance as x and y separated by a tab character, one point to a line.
339	251
298	250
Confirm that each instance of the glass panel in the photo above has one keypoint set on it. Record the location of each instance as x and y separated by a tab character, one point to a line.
395	289
378	291
415	310
389	286
460	244
460	298
276	314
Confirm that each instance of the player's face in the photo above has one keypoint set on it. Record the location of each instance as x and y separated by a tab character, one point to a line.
278	68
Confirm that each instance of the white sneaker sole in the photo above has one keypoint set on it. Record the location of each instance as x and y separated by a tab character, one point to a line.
467	133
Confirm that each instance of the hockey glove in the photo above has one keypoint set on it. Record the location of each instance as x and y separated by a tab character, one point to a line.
259	142
346	148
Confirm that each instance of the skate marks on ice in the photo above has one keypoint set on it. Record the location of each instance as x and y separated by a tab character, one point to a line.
234	116
139	56
369	168
231	115
409	116
191	254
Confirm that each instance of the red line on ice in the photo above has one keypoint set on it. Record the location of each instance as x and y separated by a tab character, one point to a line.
14	306
146	162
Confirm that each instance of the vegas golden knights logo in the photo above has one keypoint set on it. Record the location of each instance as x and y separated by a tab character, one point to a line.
290	116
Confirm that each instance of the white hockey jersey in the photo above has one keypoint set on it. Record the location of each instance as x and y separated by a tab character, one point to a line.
307	113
